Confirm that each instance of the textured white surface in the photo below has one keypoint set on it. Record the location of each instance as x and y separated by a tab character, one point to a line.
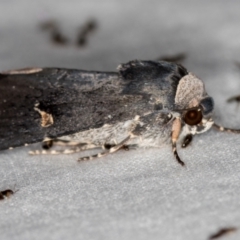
139	194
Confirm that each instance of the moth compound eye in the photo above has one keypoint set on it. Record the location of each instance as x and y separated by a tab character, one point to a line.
193	117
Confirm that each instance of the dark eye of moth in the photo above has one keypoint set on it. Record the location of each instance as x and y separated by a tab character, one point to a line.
193	117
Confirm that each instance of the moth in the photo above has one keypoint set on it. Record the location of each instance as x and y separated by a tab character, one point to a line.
144	104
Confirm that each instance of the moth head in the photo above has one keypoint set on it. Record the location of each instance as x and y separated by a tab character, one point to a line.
194	109
198	119
195	104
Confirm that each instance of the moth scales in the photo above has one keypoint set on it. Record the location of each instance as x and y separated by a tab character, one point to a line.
144	104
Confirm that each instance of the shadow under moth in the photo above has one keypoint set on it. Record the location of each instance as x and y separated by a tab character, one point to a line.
144	104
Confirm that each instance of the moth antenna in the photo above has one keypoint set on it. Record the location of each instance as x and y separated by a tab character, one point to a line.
176	129
223	129
233	99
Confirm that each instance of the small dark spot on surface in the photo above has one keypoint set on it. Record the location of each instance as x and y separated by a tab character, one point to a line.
6	194
89	27
222	232
56	35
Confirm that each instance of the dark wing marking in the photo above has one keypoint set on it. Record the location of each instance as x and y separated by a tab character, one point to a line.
79	100
69	95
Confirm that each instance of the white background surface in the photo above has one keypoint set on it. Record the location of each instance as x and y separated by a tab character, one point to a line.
139	194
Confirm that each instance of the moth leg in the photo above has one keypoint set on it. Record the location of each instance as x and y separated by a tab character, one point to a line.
234	99
48	143
187	140
223	129
108	146
176	129
77	148
125	147
110	150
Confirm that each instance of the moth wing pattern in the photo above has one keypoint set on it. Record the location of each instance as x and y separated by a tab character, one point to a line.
81	100
69	96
